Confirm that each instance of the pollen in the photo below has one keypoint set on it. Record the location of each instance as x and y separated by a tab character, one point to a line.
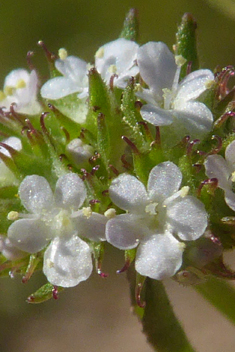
110	213
87	212
112	69
184	191
8	90
180	60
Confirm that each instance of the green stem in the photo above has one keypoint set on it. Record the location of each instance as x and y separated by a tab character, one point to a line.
220	294
160	324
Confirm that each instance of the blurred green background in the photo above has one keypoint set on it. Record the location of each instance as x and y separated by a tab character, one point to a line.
95	315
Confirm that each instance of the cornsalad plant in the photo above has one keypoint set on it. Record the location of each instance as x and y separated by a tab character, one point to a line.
137	149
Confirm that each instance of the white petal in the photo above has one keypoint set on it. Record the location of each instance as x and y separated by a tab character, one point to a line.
125	231
157	66
121	53
73	68
9	250
78	151
70	191
29	235
193	85
217	167
14	76
230	199
67	262
156	116
194	116
35	194
159	256
13	142
230	154
59	87
128	193
164	180
187	217
92	227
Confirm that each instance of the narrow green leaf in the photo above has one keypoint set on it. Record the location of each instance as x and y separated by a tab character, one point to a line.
220	294
131	26
160	324
186	43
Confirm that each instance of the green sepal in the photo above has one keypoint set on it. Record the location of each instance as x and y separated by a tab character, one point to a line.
34	260
103	139
132	118
18	266
131	26
99	100
43	294
98	252
220	294
186	43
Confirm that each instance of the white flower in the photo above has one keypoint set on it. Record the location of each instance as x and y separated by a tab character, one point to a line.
6	176
156	219
9	251
117	57
20	87
67	260
224	170
167	99
78	151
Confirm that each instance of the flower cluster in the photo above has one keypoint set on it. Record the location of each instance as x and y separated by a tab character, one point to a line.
119	151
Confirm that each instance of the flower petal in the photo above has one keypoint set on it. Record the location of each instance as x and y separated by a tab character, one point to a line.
73	68
159	256
125	231
92	227
230	199
59	87
29	235
164	180
156	116
230	154
35	194
128	193
157	66
67	262
193	116
217	167
193	85
187	217
13	142
70	191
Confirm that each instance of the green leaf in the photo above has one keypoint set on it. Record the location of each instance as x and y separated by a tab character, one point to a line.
186	44
43	294
160	324
131	26
220	294
103	139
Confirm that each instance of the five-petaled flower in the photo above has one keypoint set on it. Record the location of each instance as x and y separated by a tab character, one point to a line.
157	219
57	218
20	88
169	100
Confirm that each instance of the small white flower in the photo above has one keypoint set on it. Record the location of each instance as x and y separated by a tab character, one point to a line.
73	80
224	170
154	218
6	176
117	57
9	251
78	151
169	100
20	88
56	218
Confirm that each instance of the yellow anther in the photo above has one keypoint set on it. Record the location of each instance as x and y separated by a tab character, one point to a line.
232	177
110	213
100	53
87	212
13	215
184	191
8	90
112	69
210	84
20	83
180	60
2	95
63	54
